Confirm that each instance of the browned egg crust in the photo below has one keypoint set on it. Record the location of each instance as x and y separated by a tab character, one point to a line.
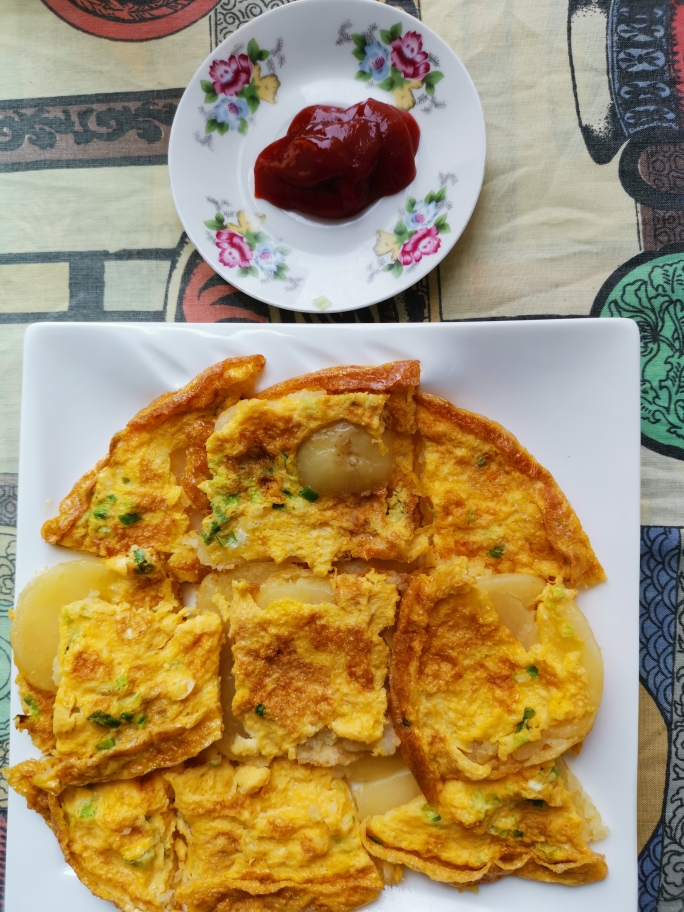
492	500
132	497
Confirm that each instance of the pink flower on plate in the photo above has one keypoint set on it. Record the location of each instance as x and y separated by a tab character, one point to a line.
233	249
229	76
409	57
423	243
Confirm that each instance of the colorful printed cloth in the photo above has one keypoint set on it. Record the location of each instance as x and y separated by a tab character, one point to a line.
582	213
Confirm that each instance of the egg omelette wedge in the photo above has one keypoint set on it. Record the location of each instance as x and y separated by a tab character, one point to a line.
133	496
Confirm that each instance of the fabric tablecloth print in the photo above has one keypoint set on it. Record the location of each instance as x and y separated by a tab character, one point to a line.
582	212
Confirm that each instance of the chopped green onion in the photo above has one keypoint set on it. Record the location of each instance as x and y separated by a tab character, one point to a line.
104	719
532	671
142	565
287	493
101	512
34	709
87	811
277	506
126	480
120	682
527	715
481	462
537	802
106	744
111	498
128	519
518	834
309	494
260	709
430	813
126	717
405	722
207	537
568	632
497	551
140	720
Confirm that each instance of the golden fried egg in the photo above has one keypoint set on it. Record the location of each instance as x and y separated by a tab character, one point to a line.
529	824
138	690
310	665
267	453
468	698
117	836
133	497
491	500
287	835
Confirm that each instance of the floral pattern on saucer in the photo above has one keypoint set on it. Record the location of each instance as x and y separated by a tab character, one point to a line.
416	235
242	245
236	87
395	63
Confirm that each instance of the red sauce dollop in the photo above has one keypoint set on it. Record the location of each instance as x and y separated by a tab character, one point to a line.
335	162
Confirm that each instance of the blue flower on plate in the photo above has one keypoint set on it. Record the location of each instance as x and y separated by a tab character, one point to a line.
377	61
231	111
423	216
267	258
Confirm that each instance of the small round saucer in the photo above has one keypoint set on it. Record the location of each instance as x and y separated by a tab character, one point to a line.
245	95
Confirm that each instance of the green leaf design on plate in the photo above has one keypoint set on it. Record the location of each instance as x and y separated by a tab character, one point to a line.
432	78
360	41
209	91
212	125
242	129
395	268
410	204
253	51
363	77
359	54
395	31
222	128
385	36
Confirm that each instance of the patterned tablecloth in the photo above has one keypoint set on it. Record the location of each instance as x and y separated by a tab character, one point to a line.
582	213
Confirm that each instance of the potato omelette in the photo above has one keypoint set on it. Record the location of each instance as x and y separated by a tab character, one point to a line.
378	569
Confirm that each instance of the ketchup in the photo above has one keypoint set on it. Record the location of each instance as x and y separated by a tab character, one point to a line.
335	162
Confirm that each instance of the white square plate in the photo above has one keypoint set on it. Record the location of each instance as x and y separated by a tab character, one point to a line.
568	389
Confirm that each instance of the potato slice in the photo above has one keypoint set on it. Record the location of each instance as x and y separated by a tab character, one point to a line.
344	458
34	634
379	784
513	596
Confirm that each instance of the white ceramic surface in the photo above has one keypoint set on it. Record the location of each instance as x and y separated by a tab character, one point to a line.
324	52
568	389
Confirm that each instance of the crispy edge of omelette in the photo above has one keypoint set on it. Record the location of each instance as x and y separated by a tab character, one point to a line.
412	653
244	794
96	871
37	721
567	816
577	563
201	399
398	378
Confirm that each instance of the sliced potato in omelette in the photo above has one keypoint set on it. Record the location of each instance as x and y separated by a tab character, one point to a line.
282	838
310	665
133	496
347	431
468	699
117	836
492	500
139	690
529	824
